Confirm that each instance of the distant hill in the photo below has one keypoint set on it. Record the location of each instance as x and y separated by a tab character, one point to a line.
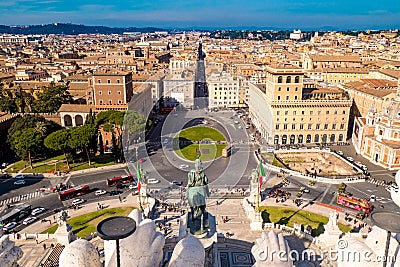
67	28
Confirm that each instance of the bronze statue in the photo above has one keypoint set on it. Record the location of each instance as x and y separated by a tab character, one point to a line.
197	191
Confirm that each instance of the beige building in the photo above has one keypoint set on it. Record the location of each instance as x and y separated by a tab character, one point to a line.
304	113
223	90
311	62
338	76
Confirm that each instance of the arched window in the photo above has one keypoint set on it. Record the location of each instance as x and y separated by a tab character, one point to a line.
292	139
300	139
284	139
340	137
78	120
276	139
316	138
280	79
288	79
296	79
67	120
308	139
333	138
325	138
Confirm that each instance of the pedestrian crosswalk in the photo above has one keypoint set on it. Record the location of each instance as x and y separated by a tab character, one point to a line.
377	182
20	198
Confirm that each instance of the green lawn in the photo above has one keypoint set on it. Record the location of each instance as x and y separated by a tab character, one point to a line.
84	225
43	166
198	133
289	216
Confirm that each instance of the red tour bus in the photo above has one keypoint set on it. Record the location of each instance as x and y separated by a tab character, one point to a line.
73	192
355	203
127	179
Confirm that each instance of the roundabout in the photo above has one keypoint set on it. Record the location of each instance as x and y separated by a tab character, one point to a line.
202	141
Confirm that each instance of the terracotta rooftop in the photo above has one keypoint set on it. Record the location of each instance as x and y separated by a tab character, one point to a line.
330	58
376	87
75	108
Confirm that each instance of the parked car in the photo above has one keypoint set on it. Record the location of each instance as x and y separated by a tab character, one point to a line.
183	166
19	182
178	183
142	160
305	190
350	159
100	192
9	226
37	211
78	201
20	176
339	153
152	181
29	220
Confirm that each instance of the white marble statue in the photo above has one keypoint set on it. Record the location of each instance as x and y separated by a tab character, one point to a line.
395	192
80	253
333	220
143	248
266	250
188	252
9	253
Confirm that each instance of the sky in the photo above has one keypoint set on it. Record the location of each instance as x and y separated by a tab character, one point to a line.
306	14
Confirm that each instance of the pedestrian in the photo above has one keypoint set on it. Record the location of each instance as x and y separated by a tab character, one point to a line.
44	246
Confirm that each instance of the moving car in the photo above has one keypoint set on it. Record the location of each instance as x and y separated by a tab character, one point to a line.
78	201
142	160
100	192
305	189
9	226
183	166
178	183
20	176
372	198
133	186
115	192
19	182
29	220
37	211
152	181
350	159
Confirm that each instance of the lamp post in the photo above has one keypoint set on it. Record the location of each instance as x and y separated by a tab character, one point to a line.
116	228
388	221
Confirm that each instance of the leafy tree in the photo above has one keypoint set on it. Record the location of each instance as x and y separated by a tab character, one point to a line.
7	101
58	141
111	119
101	145
81	137
50	99
135	123
27	141
90	119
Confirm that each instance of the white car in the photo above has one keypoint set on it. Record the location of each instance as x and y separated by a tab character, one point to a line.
29	220
37	211
372	198
363	167
19	182
339	153
183	166
20	176
100	192
152	181
9	226
133	186
350	159
358	163
77	201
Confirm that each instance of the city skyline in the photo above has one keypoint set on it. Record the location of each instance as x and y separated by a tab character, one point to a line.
285	14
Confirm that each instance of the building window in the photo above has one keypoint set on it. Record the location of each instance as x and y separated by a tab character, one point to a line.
277	127
317	126
286	112
101	102
296	89
301	126
285	126
297	79
326	126
294	112
280	79
288	79
295	97
279	89
108	81
278	112
293	126
109	92
118	81
303	112
309	126
319	112
110	101
279	97
342	126
119	92
344	112
380	132
287	89
100	92
311	112
335	111
327	112
119	101
98	81
334	126
287	97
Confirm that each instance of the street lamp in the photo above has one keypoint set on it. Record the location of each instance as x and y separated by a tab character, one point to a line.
116	228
